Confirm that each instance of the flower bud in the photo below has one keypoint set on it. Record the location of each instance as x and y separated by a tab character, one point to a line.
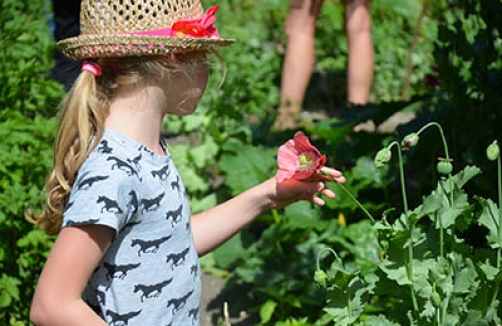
320	278
384	244
410	140
383	156
493	151
444	167
436	299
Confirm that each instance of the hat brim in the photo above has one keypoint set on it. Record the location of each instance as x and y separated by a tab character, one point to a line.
128	45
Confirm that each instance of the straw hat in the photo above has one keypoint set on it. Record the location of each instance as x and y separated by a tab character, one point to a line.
124	28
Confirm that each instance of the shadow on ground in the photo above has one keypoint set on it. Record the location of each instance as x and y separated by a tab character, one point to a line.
214	296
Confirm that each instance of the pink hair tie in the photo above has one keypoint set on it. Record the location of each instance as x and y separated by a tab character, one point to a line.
92	67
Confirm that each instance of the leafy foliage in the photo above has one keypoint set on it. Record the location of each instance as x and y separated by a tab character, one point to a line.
28	98
427	273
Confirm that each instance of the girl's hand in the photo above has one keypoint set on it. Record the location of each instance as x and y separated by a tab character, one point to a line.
291	190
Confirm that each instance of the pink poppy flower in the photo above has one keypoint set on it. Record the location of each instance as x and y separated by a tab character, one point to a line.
298	159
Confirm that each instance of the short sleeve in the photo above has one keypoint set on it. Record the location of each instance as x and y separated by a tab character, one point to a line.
103	194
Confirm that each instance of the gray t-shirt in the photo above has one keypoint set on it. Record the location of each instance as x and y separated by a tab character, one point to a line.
150	274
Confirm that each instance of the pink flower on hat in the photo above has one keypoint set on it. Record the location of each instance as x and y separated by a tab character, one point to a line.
298	159
189	28
198	28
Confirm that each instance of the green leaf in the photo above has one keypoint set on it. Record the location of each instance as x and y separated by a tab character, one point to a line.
205	203
9	290
476	318
248	167
238	248
490	271
204	154
466	277
379	320
465	175
267	311
302	215
396	273
489	218
366	170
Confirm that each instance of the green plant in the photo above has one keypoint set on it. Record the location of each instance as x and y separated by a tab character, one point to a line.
428	273
28	99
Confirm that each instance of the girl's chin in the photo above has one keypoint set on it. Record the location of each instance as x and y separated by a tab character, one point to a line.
182	112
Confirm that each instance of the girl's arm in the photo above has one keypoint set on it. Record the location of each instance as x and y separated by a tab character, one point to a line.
74	256
213	227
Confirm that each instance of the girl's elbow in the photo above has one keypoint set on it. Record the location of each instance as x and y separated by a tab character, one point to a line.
41	312
36	315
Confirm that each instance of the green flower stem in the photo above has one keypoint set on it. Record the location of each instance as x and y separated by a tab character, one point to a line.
411	226
447	156
368	214
499	233
441	236
445	145
357	202
318	259
499	226
318	267
401	174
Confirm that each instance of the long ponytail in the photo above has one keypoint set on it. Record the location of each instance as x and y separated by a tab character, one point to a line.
82	116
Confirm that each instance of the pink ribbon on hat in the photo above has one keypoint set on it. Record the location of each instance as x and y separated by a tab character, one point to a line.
92	67
190	28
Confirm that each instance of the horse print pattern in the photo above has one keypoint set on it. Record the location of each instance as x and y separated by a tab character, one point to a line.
121	320
109	205
150	273
175	215
151	291
179	302
151	246
118	271
177	259
193	314
148	205
103	147
175	185
133	204
162	174
135	161
87	183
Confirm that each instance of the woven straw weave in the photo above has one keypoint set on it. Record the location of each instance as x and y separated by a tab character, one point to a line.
122	16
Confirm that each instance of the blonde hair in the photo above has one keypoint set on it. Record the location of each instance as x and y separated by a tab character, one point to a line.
82	118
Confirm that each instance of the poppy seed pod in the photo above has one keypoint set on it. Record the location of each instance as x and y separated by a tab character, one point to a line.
444	167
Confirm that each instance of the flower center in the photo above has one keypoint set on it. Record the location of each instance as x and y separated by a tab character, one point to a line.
306	161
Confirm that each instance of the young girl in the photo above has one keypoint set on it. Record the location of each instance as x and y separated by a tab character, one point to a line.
127	247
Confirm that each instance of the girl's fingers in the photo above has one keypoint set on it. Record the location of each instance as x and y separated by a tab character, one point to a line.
327	172
328	193
333	172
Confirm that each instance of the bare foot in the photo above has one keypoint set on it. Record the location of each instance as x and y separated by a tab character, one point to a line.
286	119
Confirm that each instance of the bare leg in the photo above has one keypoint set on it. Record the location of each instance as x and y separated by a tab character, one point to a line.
299	60
360	56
